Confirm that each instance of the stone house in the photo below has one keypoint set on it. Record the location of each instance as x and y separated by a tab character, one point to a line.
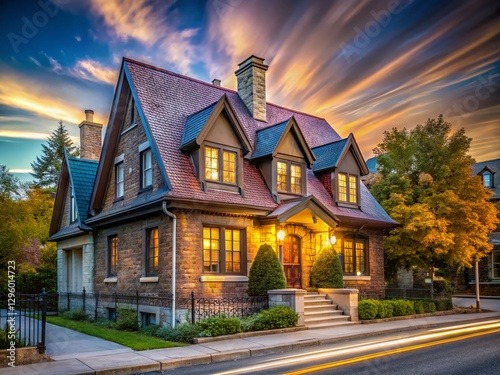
193	178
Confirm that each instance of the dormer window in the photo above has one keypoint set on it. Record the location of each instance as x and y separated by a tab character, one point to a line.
220	165
347	189
487	179
289	177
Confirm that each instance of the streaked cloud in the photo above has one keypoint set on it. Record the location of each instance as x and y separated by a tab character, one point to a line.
94	71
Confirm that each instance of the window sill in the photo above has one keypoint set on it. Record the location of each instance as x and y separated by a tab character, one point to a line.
145	190
149	279
111	280
119	199
132	126
223	278
359	278
348	205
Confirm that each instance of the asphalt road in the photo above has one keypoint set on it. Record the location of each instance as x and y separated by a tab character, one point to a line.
472	350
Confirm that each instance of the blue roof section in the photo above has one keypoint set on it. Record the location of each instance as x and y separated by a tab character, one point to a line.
267	139
372	164
82	174
195	123
327	156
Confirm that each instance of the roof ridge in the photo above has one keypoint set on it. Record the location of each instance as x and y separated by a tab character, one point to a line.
331	143
84	160
274	125
163	70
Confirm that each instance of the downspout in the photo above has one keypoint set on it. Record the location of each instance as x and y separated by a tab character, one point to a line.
174	255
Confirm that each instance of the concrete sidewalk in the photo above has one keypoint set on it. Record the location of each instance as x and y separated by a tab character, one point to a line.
131	362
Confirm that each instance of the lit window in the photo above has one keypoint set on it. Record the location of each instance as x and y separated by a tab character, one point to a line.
152	252
347	188
112	255
229	167
487	179
224	172
120	177
354	258
496	264
223	250
282	176
73	208
289	177
147	169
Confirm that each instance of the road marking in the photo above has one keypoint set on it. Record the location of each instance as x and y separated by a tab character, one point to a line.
388	352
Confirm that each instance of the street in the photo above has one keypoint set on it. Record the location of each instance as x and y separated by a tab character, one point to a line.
468	349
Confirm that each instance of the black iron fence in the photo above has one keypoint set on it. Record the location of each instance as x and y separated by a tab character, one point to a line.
23	320
413	293
204	308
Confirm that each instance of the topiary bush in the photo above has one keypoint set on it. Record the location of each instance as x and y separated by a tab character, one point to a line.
273	318
219	326
367	309
126	320
327	271
266	272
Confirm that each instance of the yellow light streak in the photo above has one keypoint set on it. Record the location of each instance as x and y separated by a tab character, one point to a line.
389	352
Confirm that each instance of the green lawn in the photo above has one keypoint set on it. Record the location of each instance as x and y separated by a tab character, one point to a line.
133	340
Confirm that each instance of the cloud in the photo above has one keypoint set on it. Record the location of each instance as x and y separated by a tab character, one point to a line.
23	134
154	26
20	170
94	71
35	61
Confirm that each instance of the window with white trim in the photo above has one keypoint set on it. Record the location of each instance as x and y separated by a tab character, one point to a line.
146	169
119	180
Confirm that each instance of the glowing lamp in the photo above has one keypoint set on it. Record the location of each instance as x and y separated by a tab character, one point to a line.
280	235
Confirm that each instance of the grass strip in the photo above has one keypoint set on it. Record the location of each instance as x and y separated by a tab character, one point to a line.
133	340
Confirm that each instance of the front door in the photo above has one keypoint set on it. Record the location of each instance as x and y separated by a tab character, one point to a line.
291	261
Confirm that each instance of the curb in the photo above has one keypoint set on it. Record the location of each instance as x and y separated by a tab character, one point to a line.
243	335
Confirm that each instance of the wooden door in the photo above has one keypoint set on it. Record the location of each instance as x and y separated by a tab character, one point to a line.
292	261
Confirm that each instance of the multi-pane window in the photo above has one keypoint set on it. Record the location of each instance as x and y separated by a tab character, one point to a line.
152	252
72	203
354	257
120	179
223	250
220	165
229	167
147	169
496	264
112	255
347	188
289	177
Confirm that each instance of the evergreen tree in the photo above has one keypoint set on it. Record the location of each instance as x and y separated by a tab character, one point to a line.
326	271
427	186
266	272
46	168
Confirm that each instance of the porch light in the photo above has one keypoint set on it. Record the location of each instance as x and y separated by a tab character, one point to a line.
333	239
280	235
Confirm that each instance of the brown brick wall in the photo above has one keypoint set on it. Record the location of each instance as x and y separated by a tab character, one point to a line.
90	139
128	146
326	180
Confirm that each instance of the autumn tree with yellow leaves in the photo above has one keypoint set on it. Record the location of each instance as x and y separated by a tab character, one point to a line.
426	184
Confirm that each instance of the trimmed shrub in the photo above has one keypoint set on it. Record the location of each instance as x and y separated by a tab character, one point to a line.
419	307
429	306
78	315
327	271
273	318
384	309
126	320
402	307
367	309
266	272
184	332
219	326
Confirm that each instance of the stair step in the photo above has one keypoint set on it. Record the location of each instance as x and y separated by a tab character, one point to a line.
318	302
323	313
329	324
308	309
325	319
309	297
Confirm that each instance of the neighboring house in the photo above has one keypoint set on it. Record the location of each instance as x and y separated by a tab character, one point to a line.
193	178
489	267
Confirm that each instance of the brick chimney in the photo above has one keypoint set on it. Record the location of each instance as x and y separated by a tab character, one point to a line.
251	77
90	137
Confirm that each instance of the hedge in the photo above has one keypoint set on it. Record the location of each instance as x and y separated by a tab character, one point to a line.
369	309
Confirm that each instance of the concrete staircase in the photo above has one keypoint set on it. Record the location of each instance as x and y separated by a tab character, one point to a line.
320	312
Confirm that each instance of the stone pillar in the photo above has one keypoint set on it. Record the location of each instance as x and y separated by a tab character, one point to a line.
293	298
346	299
251	77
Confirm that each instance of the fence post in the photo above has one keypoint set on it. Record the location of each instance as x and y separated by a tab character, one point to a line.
41	345
96	303
84	293
68	295
192	309
116	312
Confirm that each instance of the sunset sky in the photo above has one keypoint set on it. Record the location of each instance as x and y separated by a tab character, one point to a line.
365	66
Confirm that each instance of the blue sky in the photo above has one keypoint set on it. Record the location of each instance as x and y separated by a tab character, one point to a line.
365	66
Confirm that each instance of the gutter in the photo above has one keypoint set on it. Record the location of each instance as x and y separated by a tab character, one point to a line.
174	255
